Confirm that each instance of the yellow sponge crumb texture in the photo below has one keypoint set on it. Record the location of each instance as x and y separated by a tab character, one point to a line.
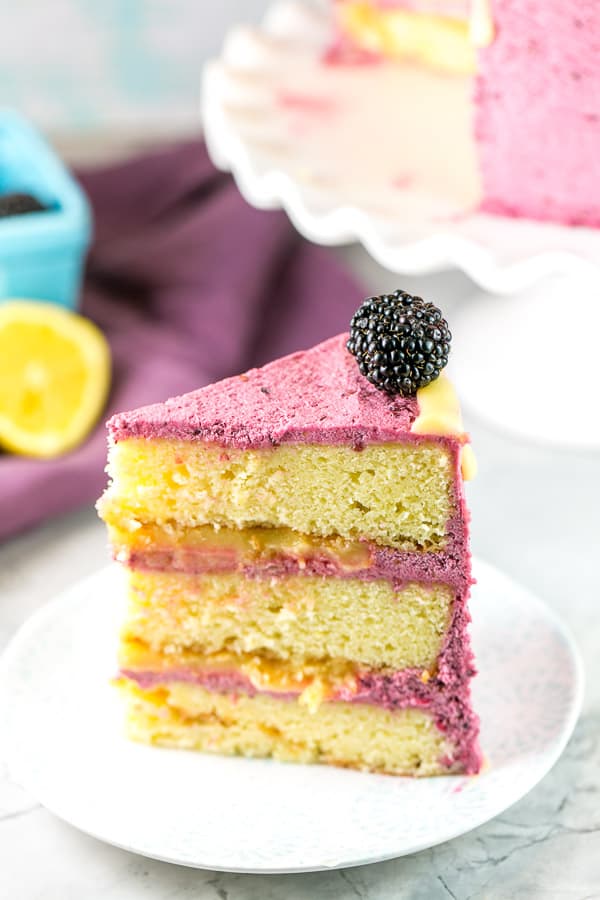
393	494
298	617
403	742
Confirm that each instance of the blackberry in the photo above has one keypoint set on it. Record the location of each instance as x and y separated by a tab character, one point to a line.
400	342
19	204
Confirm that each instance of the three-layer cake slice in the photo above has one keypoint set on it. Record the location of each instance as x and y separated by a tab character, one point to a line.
297	551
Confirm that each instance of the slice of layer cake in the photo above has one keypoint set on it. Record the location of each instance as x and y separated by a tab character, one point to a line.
297	552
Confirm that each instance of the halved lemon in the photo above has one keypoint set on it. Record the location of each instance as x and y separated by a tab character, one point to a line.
54	377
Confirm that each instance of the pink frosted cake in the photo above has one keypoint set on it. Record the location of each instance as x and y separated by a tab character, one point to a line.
536	71
298	561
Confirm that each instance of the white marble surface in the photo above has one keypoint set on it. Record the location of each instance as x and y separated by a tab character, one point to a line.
535	515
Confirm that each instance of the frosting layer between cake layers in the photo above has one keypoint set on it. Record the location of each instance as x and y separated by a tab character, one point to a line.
310	558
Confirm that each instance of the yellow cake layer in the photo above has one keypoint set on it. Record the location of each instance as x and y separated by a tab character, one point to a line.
175	547
403	742
394	494
441	42
298	617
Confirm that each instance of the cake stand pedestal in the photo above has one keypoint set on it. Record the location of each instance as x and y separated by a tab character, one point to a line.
528	363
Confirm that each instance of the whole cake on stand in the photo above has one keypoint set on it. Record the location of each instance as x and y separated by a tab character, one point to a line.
536	90
439	134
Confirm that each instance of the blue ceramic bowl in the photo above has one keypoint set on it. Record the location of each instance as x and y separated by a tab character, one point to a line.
41	254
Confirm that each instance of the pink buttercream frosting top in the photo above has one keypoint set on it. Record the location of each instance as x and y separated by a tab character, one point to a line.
313	396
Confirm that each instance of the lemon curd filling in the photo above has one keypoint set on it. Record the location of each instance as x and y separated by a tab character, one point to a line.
310	678
399	495
179	548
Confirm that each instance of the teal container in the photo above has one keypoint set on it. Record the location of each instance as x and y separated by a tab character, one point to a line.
42	253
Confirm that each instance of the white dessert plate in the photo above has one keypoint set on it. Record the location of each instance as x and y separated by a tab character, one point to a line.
381	154
62	740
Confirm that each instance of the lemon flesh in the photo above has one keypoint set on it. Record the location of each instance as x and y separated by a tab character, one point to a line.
54	378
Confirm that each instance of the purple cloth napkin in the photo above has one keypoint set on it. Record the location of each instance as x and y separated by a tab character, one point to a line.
190	284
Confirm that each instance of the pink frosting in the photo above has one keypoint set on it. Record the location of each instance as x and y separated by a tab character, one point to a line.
314	396
538	111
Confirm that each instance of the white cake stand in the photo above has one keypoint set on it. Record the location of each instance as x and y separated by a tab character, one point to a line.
356	153
529	363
